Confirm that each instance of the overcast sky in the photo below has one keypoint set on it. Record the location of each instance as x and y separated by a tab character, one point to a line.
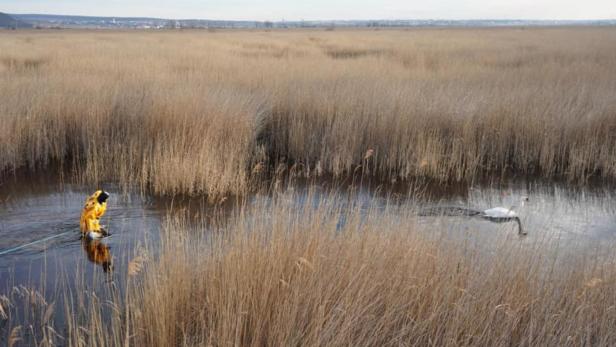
322	9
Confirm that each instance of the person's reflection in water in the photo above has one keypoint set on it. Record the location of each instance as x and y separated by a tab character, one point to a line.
98	253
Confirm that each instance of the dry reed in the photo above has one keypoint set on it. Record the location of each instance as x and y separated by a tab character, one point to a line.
279	275
325	275
304	277
194	112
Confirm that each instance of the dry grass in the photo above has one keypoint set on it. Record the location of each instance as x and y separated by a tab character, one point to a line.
280	276
194	112
299	277
203	112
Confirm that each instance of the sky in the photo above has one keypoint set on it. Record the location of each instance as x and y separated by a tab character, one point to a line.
276	10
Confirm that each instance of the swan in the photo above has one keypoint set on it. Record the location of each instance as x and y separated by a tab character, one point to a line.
503	214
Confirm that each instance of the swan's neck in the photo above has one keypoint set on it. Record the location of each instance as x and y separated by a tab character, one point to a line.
520	230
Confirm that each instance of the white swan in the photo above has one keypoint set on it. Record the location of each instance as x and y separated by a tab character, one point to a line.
502	214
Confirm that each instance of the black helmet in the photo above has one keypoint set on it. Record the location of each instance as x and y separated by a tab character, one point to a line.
102	197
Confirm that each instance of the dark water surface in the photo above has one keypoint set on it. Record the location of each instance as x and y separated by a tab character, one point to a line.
69	273
33	210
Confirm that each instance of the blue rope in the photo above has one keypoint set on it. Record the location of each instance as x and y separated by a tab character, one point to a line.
10	250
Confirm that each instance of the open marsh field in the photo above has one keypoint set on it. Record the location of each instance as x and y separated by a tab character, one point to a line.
201	112
309	187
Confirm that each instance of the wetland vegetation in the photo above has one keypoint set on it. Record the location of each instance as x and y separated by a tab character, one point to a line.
203	138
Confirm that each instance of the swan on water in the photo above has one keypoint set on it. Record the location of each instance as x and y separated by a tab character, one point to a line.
496	214
503	214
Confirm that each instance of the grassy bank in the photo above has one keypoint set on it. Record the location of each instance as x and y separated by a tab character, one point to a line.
282	275
203	112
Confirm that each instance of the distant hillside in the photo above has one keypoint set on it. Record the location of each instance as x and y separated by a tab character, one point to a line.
9	22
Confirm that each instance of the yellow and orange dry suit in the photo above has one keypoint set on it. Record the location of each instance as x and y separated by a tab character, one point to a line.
93	210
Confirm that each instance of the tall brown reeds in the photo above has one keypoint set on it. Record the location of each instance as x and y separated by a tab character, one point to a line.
317	275
194	112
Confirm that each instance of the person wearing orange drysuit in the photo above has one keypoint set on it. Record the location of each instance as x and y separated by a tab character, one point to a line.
94	209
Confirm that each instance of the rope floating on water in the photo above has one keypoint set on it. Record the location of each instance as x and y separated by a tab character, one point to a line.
10	250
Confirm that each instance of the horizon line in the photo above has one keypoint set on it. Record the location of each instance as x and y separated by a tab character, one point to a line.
318	20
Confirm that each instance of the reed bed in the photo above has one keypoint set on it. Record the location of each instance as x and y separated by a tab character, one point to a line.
195	112
329	276
332	276
218	113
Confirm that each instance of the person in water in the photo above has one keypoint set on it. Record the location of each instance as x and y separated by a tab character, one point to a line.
94	209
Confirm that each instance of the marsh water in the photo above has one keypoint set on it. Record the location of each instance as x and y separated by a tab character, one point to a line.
583	218
51	213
